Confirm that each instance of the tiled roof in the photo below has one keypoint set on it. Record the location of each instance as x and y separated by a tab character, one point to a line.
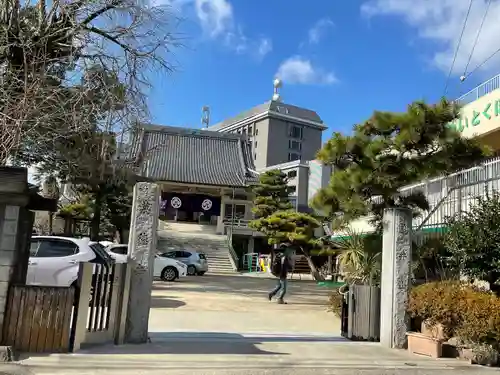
273	106
165	153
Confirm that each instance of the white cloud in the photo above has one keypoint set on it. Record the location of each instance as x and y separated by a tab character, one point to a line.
298	70
215	16
217	20
319	29
441	21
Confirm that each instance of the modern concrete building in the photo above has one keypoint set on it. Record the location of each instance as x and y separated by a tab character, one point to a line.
305	178
278	132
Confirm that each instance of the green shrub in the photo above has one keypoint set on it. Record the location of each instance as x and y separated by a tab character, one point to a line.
335	302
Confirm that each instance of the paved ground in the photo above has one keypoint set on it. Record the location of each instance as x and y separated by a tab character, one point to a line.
224	325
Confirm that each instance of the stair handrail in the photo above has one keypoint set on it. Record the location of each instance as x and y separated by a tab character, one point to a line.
233	257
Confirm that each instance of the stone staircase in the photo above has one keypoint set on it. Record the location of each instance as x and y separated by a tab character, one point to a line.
201	238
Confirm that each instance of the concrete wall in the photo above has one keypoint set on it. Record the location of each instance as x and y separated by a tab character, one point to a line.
278	142
319	177
302	185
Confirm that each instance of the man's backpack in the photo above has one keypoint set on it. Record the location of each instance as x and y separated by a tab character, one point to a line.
277	263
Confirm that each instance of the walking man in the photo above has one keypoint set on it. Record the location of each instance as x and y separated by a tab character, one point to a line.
281	265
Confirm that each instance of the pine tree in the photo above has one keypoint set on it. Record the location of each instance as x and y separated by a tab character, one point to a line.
296	230
271	195
388	152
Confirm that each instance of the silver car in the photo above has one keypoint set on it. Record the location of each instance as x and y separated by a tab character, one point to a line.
196	262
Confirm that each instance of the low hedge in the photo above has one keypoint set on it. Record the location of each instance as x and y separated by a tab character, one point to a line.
465	311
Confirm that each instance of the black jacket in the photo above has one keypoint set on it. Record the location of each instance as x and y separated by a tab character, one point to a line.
285	267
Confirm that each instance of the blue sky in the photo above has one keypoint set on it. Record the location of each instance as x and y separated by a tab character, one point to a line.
342	58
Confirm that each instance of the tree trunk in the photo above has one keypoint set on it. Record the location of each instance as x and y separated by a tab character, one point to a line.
95	223
314	271
68	226
51	223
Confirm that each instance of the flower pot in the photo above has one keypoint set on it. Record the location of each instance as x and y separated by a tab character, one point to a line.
419	343
435	331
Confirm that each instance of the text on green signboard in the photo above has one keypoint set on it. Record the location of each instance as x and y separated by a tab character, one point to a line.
490	110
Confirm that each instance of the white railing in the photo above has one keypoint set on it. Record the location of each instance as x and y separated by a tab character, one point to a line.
483	89
236	223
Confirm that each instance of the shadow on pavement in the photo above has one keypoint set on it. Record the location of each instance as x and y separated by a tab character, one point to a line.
187	343
237	338
158	302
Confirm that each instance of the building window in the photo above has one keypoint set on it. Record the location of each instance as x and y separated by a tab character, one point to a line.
292	174
295	145
238	210
255	156
292	189
244	131
256	130
250	130
293	156
295	131
293	201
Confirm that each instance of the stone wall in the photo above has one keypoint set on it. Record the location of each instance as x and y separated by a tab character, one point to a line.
395	283
9	225
142	249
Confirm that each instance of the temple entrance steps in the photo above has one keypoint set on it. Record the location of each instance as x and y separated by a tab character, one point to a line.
175	236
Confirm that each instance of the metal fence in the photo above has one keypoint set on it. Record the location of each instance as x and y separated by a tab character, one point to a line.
458	192
483	89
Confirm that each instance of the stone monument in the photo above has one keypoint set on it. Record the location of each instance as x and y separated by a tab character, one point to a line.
141	253
395	283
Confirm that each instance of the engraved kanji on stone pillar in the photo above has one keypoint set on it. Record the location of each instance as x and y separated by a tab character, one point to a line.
395	283
141	253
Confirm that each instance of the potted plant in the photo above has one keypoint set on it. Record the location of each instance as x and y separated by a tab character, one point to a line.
479	331
437	304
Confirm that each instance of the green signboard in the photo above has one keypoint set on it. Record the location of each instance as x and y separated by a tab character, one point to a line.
490	110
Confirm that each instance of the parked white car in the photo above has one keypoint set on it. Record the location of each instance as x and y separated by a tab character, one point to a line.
54	261
167	269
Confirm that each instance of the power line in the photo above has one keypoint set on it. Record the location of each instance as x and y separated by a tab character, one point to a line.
484	62
457	48
477	37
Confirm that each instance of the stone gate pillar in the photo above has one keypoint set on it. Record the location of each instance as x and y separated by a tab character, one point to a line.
395	280
141	253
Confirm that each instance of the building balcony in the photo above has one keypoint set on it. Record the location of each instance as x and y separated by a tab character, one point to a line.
238	226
